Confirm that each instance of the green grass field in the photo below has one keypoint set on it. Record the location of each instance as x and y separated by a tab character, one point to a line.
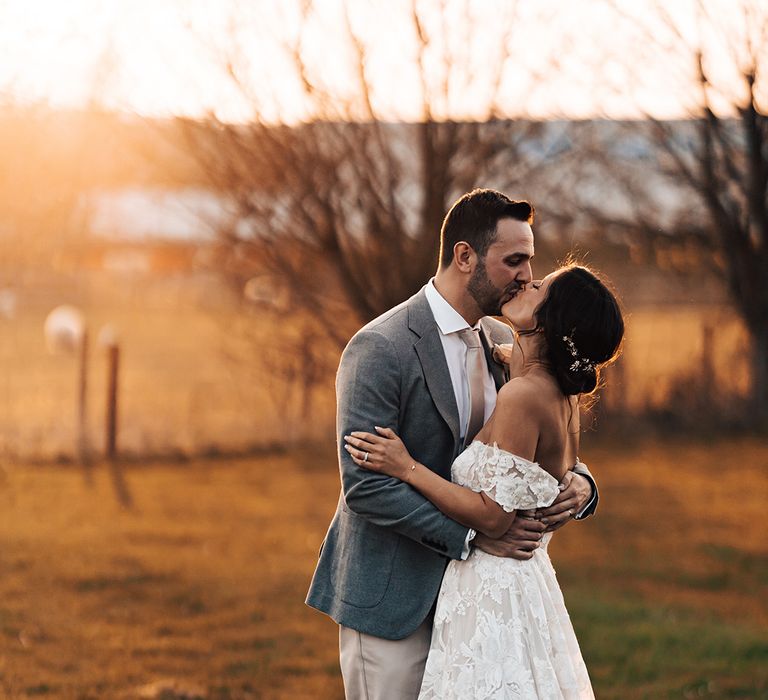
202	584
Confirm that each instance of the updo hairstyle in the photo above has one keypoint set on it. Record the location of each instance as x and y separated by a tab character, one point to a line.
583	328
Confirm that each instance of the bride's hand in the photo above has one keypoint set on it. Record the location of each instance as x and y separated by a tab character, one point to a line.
385	452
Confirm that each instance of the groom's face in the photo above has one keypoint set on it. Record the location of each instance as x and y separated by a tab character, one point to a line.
505	269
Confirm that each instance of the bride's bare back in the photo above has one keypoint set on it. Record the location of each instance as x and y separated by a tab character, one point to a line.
533	419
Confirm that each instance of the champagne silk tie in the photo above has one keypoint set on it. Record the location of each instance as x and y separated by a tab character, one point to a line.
476	368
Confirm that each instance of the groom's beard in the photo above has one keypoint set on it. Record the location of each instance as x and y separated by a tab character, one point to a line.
488	298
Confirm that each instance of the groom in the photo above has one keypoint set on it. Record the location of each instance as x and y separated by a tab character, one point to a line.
383	558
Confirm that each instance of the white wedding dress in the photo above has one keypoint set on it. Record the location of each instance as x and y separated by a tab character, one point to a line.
501	628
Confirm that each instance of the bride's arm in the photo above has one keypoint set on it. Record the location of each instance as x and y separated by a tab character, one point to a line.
515	427
387	455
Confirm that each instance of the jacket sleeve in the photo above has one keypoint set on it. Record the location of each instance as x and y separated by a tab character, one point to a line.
591	506
368	386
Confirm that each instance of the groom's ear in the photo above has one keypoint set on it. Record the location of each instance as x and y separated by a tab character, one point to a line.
464	257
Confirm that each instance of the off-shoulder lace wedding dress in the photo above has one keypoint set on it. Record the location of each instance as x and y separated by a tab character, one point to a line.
501	628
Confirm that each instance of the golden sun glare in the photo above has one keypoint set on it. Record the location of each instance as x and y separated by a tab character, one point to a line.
163	57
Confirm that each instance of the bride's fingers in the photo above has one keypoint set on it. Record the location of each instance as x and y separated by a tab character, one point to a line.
386	432
368	437
354	452
360	443
363	465
359	458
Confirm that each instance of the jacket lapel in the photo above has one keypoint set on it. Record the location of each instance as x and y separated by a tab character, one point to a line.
429	350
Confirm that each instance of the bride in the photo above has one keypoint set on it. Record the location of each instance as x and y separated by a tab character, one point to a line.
501	629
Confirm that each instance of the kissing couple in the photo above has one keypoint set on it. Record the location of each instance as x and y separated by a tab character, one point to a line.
458	441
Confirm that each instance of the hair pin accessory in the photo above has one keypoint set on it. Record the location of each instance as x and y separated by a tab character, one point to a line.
579	364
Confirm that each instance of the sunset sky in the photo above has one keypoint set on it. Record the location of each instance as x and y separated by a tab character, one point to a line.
575	59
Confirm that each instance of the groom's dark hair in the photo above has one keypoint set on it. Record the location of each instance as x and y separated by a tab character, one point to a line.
473	218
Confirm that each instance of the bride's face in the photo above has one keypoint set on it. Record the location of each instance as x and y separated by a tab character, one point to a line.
520	311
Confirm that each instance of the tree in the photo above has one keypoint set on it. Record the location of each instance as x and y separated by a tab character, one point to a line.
339	212
698	187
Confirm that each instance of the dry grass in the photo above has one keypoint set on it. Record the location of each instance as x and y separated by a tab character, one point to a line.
665	343
204	582
186	359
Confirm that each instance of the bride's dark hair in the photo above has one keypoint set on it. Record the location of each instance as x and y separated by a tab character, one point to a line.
583	328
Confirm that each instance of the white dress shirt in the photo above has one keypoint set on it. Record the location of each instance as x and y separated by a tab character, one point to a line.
450	322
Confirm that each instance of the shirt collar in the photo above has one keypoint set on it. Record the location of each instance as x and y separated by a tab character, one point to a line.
447	318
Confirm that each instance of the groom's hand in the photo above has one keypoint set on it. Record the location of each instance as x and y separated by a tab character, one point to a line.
575	492
519	542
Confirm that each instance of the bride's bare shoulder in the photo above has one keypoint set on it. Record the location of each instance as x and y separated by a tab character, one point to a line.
520	389
518	417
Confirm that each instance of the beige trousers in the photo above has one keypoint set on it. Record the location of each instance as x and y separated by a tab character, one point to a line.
383	669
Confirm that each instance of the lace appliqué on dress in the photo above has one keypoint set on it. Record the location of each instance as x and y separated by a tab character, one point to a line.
513	482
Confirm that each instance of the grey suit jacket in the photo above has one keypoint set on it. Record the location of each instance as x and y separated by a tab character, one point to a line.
383	558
